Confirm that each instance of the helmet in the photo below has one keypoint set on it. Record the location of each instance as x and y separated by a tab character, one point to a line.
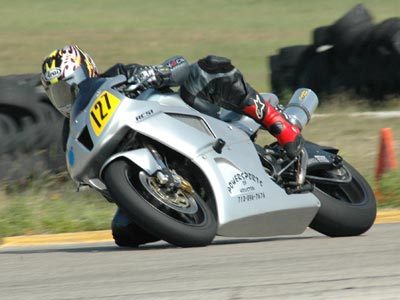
62	71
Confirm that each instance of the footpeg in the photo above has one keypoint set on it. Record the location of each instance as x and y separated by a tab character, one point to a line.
302	167
306	188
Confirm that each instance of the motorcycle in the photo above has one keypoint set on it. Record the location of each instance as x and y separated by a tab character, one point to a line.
185	174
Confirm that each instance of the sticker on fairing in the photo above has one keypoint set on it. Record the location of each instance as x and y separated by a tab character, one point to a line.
102	110
303	94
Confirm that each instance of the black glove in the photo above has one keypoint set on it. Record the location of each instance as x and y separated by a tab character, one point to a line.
149	76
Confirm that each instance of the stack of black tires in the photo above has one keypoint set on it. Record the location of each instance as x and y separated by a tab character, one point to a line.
351	55
30	129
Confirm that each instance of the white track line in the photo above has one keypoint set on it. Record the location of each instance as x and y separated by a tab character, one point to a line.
368	114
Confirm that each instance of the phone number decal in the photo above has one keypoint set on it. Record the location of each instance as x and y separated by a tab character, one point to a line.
251	197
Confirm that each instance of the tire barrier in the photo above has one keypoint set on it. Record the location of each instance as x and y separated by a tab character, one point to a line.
30	129
351	55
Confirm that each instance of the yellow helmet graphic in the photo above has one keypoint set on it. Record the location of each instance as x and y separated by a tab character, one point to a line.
61	70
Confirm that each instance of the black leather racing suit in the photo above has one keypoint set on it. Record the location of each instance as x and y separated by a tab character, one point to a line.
215	79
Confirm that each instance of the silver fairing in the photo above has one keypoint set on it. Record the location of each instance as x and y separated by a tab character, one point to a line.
248	202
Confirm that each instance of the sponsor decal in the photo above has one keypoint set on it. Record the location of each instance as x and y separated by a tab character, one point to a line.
52	73
321	158
247	189
260	107
303	94
246	180
175	62
144	115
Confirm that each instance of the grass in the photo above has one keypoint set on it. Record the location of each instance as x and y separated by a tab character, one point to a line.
148	32
389	190
50	204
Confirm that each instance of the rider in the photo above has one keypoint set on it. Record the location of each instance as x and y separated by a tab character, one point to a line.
212	78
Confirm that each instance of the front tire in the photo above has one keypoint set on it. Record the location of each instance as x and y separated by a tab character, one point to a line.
189	225
347	209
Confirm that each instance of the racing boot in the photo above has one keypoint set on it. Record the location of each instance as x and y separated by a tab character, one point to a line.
288	135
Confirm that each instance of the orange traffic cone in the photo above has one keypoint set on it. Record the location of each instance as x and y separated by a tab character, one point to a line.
387	157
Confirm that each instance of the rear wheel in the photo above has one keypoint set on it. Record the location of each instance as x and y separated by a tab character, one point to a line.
181	218
347	209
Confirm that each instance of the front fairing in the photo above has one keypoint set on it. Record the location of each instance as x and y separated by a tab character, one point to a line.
87	89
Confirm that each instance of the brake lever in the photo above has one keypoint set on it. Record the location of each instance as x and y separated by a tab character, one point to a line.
134	87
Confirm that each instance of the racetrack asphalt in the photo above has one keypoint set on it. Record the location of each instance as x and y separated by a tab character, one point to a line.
383	217
306	266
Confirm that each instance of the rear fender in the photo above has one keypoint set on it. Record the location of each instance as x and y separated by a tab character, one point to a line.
320	157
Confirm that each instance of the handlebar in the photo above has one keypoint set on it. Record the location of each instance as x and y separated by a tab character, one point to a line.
172	72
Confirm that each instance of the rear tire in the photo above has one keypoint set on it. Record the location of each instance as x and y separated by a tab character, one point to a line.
346	209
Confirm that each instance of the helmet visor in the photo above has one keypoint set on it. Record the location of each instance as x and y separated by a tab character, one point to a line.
62	96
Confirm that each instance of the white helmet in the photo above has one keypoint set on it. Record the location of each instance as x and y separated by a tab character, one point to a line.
62	71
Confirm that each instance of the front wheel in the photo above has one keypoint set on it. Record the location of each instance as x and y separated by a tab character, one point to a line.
347	209
181	218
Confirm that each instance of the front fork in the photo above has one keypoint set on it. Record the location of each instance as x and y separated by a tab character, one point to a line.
167	178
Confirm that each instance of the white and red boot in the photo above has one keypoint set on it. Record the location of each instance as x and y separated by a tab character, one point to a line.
288	135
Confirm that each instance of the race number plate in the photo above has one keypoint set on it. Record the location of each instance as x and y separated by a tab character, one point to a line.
102	111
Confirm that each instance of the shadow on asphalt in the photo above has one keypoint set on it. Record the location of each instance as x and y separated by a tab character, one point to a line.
108	247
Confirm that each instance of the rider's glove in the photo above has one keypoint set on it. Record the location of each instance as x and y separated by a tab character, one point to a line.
147	76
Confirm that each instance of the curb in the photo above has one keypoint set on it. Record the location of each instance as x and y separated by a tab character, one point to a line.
367	114
387	216
61	238
383	217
